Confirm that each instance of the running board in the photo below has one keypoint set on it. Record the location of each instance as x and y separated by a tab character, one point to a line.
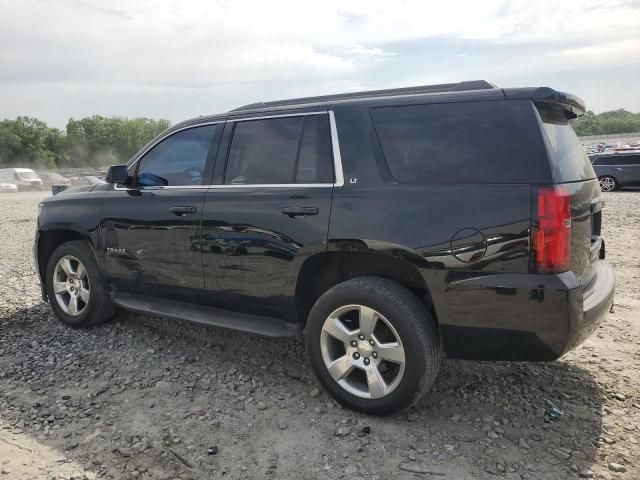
256	324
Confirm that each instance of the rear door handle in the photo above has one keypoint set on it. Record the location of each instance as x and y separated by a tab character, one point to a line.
181	211
293	212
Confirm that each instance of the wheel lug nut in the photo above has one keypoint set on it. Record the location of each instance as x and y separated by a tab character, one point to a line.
361	337
374	355
366	361
372	343
354	343
356	355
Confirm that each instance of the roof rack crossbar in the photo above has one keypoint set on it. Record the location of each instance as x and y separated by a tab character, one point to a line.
444	87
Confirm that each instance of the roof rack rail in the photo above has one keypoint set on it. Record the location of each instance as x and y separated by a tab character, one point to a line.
443	87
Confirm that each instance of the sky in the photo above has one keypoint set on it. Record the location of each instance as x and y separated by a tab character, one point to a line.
179	59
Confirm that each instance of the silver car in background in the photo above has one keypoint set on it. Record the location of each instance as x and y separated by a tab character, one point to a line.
617	170
53	178
8	187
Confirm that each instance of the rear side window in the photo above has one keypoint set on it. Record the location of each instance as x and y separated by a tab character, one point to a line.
568	160
284	150
315	163
474	142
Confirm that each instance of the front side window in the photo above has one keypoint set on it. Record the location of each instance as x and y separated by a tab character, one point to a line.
617	160
284	150
178	160
632	160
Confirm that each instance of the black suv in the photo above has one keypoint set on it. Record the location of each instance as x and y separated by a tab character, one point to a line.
386	228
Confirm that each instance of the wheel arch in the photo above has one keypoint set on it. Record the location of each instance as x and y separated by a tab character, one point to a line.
48	241
322	271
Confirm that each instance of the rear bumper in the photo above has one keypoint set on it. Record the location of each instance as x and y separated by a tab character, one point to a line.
524	317
597	300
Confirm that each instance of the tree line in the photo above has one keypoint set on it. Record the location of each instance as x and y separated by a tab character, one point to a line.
607	123
91	141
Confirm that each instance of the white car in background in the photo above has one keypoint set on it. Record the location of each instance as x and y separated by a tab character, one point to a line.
23	178
8	187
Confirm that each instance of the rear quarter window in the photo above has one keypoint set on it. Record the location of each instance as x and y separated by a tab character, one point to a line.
473	142
568	160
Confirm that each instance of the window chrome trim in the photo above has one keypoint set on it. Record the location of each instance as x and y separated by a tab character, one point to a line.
335	148
335	145
247	185
265	117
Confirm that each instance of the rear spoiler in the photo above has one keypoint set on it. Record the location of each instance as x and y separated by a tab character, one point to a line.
544	96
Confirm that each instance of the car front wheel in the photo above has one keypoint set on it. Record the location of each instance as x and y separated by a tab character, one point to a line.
75	288
373	345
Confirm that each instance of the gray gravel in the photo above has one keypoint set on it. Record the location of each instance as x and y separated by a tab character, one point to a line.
151	398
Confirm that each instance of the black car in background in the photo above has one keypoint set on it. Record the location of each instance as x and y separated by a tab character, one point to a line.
386	228
617	170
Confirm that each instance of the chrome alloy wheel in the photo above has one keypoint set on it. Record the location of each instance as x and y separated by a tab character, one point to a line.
362	351
71	285
607	184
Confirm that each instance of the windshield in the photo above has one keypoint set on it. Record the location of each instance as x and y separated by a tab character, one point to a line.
27	176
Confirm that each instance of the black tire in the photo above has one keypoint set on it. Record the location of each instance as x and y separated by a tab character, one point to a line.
413	323
616	185
99	308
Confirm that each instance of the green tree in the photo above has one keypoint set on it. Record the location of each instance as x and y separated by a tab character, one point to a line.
95	141
29	141
607	123
99	140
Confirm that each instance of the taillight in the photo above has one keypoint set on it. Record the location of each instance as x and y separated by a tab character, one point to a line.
551	232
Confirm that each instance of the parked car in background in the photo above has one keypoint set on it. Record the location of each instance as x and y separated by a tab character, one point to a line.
8	187
53	178
84	180
23	178
94	180
617	170
386	228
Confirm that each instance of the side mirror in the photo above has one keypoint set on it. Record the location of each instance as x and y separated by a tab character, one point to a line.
118	174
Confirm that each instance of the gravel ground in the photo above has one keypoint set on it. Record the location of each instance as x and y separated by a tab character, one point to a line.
150	398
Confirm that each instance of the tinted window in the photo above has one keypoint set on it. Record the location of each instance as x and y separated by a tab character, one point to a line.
608	161
475	142
178	160
315	164
568	160
619	160
631	160
280	151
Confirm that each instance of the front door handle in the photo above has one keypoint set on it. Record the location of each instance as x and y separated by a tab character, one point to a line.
293	212
181	211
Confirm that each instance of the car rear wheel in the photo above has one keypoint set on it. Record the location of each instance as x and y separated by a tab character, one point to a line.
373	345
608	183
75	288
